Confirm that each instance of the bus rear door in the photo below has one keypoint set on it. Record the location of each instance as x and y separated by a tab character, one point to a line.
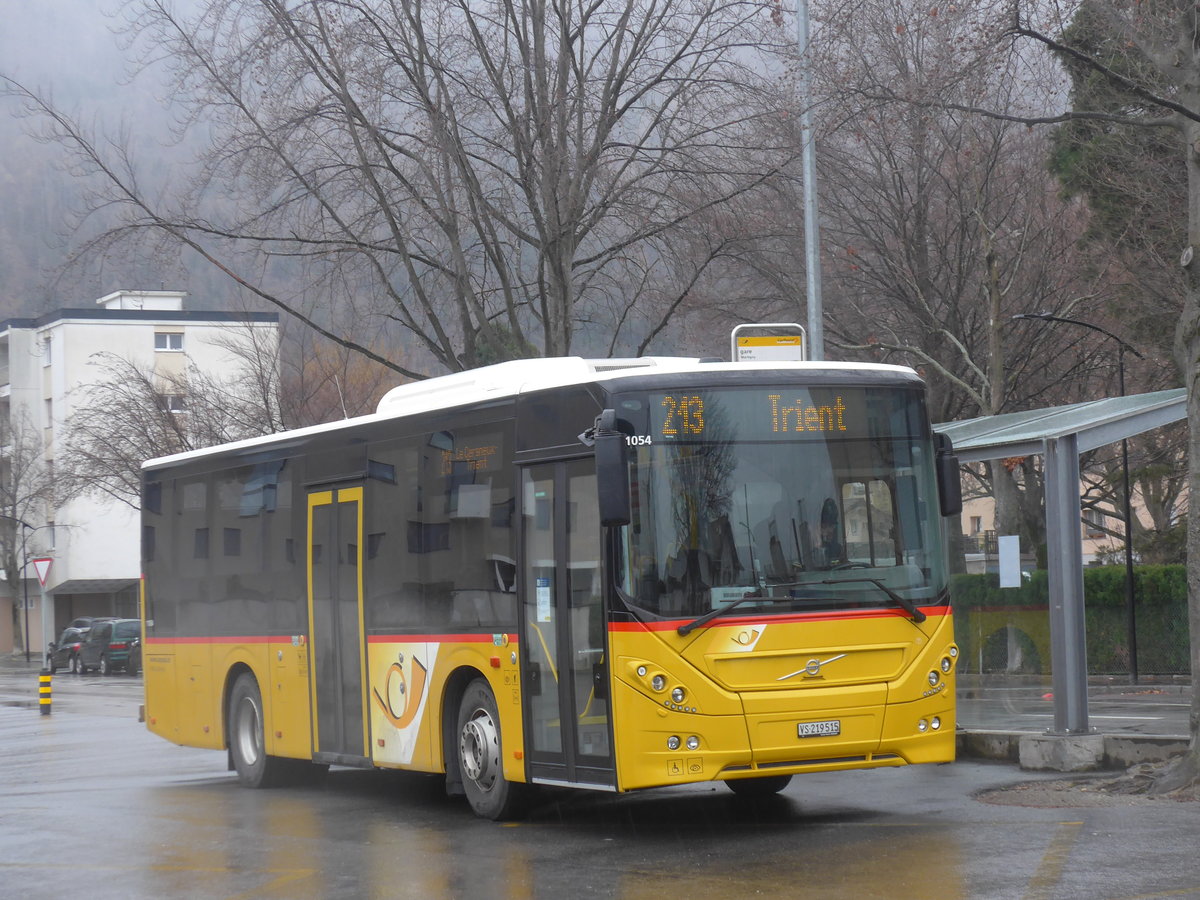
335	616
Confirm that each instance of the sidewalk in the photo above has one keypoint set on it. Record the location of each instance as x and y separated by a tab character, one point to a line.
17	661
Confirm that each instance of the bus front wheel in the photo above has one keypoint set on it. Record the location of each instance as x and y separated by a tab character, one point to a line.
480	758
246	746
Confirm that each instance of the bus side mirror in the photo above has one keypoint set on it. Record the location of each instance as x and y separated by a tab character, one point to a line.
948	478
612	470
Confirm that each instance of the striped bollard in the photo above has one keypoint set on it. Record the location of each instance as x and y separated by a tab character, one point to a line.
44	691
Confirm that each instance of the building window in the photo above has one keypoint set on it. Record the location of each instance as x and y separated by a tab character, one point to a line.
976	524
49	414
168	340
172	403
1093	523
47	347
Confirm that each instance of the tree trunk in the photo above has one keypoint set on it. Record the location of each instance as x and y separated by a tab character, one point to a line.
1186	770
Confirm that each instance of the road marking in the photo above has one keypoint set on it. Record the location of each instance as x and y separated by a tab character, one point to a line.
1049	872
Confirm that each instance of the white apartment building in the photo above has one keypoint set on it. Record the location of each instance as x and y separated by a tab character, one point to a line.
94	543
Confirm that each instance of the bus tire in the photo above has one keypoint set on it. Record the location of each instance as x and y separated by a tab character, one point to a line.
752	788
254	767
480	755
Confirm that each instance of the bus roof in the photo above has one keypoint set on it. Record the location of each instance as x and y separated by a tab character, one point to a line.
508	379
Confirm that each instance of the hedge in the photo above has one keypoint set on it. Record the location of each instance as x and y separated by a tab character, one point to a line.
982	610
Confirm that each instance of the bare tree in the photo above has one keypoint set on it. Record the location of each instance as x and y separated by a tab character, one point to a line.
131	413
938	226
321	381
27	487
483	174
1151	59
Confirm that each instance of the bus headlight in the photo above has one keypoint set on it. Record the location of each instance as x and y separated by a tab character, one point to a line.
947	665
678	695
693	743
658	682
934	677
673	742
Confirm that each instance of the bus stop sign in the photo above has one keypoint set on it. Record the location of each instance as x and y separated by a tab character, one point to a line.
772	342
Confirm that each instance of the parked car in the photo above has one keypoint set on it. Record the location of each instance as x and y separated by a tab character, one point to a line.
64	653
107	645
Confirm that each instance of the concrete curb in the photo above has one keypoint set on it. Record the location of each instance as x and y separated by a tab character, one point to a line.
1040	751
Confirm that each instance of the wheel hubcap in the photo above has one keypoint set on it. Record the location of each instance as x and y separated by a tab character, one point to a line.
247	732
479	750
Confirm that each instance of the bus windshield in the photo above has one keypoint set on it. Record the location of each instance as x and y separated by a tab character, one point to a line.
787	499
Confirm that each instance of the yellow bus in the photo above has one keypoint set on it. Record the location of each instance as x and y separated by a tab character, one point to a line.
610	575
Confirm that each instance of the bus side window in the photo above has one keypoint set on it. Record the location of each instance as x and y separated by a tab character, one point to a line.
398	540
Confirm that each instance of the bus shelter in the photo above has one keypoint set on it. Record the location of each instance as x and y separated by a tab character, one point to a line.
1060	434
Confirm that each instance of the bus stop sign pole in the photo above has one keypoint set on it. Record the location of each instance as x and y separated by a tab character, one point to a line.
42	568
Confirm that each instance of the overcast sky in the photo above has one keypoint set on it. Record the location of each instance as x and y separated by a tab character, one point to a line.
67	49
61	42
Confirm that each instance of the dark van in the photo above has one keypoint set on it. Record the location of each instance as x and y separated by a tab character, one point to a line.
108	644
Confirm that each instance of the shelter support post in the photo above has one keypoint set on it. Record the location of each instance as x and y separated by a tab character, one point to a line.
1068	645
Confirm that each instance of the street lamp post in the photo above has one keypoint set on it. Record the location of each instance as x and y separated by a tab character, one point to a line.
812	240
1130	612
25	590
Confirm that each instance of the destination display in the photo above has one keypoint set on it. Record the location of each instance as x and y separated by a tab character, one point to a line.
774	413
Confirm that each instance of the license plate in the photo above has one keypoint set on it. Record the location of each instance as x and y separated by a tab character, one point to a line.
828	728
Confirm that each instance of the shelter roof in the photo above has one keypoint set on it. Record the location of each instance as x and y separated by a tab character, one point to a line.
1096	423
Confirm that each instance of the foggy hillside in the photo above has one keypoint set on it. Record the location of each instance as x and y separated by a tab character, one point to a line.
68	50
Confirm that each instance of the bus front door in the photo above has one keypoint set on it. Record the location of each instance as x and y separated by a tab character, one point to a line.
564	644
335	625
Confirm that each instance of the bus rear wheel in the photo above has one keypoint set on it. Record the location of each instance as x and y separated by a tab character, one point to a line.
480	755
766	786
254	767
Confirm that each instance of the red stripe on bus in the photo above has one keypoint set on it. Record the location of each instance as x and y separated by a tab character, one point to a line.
223	639
434	638
672	624
371	639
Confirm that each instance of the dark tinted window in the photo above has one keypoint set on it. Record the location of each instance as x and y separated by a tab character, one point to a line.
439	531
128	629
555	419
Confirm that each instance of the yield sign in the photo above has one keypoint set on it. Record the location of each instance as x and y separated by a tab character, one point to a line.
42	567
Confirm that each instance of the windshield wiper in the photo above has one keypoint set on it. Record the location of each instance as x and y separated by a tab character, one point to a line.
689	627
905	602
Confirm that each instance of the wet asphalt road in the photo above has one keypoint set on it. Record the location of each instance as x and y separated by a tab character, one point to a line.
93	806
